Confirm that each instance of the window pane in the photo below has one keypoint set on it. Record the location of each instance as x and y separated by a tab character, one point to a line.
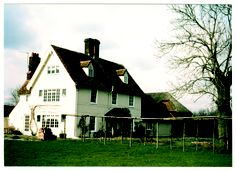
93	95
52	123
131	100
49	95
27	123
57	69
40	92
63	92
49	70
92	123
114	97
56	123
53	69
45	96
38	118
48	123
58	95
53	95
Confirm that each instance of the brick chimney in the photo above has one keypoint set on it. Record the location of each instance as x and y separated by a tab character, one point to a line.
34	61
92	47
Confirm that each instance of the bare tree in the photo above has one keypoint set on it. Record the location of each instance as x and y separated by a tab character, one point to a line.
202	47
15	97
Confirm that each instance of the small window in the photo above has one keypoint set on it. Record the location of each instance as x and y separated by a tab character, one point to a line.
40	93
49	70
38	118
27	121
126	78
63	92
93	97
53	69
57	69
131	100
113	97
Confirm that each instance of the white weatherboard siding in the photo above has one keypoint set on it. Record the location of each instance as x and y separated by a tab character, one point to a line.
104	105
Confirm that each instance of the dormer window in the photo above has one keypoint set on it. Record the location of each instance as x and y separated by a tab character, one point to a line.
126	78
87	67
90	71
123	75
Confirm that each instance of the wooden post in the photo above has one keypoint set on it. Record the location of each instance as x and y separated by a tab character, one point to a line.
170	141
226	136
157	136
197	136
183	136
65	127
122	131
145	138
131	129
213	136
105	132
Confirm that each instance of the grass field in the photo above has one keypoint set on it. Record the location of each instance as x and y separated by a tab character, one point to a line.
95	153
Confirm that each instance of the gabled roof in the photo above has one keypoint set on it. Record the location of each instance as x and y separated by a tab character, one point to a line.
163	105
105	75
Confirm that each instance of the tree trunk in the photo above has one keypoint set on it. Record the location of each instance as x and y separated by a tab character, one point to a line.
224	123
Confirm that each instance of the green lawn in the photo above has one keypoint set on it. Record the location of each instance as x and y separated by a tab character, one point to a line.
95	153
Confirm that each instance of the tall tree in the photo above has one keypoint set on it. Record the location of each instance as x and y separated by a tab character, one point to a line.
202	46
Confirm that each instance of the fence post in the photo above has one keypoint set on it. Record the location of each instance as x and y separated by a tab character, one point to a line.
131	129
183	136
145	138
65	127
197	136
213	136
105	132
157	136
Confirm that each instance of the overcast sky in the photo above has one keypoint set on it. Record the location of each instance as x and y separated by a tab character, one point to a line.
127	34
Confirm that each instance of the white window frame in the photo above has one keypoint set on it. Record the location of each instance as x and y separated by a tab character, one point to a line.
96	96
126	78
133	100
27	123
51	95
50	121
112	98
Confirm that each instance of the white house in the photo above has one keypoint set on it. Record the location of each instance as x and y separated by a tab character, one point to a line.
68	84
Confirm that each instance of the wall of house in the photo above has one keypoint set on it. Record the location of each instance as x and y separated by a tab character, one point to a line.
17	115
45	81
103	105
